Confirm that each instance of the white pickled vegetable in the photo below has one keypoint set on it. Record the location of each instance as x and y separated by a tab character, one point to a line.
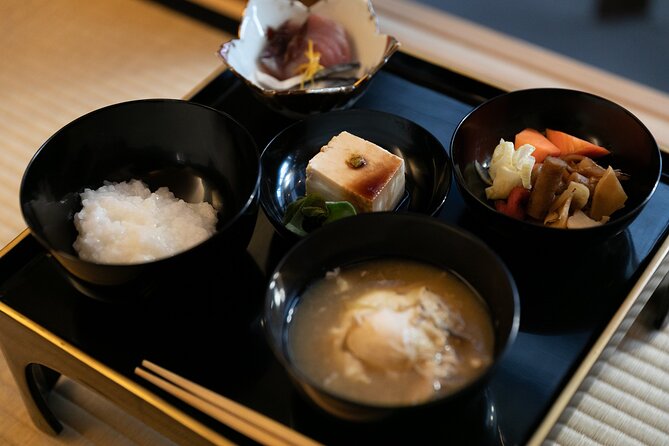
509	168
580	220
524	162
501	156
506	179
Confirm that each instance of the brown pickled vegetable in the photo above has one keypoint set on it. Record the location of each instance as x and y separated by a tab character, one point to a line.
570	190
545	188
589	168
574	198
558	217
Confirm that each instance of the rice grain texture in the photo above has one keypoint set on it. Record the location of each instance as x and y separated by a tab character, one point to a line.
126	223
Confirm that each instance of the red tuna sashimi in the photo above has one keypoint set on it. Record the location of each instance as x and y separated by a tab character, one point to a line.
286	45
329	39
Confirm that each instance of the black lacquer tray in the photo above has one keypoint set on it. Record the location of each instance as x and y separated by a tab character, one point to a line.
205	323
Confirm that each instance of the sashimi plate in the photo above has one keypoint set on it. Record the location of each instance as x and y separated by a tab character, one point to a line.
370	48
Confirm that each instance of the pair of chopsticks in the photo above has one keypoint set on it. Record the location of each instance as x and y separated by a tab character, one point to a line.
246	421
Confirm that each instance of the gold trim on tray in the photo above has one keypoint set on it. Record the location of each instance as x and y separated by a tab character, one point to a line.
18	239
132	387
602	342
204	82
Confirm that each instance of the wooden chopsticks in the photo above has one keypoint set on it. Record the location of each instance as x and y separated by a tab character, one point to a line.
246	421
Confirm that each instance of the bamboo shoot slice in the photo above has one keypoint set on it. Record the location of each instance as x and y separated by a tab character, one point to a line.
609	196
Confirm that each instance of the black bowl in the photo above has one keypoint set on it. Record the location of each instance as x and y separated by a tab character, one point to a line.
284	160
386	234
633	150
196	151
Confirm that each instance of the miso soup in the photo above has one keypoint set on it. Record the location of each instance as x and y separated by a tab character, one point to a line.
391	332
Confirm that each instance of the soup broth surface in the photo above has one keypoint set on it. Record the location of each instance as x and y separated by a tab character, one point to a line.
391	332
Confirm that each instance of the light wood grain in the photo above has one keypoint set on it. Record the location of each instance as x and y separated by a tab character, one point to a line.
253	424
62	59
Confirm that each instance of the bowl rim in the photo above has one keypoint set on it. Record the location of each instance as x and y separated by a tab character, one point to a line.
462	184
177	102
411	218
448	171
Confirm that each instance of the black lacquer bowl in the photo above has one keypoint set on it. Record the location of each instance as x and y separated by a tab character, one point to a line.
284	160
598	120
398	235
200	153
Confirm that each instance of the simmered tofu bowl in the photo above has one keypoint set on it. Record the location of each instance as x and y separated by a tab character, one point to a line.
340	164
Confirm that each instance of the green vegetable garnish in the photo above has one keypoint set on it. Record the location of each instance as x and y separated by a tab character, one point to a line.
311	212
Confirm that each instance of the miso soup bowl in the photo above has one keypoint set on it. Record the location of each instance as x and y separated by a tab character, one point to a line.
388	235
199	153
590	117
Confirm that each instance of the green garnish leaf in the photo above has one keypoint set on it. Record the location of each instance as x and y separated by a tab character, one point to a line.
315	212
296	227
311	212
339	209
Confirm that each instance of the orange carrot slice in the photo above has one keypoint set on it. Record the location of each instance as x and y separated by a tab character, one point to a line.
569	144
543	147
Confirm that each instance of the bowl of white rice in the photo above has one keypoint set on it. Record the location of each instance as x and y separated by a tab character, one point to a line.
132	188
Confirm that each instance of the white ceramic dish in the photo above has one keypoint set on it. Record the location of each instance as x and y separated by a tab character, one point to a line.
371	48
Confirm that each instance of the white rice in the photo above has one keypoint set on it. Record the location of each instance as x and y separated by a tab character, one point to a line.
126	223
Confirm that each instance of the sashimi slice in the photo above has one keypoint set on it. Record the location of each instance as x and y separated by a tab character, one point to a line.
330	40
543	147
569	144
286	47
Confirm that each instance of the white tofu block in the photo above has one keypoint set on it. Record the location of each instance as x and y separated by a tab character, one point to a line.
377	184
